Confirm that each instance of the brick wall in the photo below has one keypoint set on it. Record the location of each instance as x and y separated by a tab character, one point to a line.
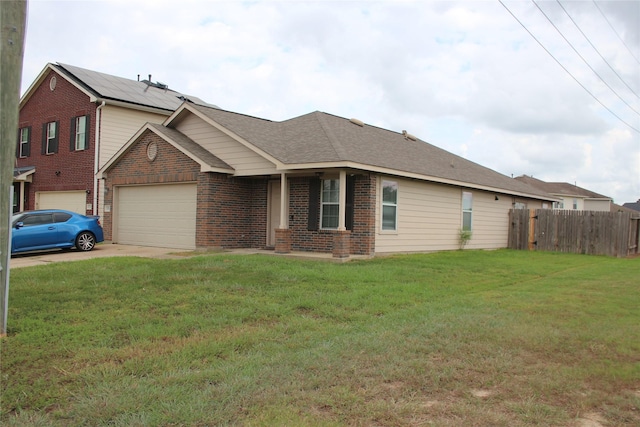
75	167
363	233
231	212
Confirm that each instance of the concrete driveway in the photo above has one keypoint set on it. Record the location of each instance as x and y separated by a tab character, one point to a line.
105	249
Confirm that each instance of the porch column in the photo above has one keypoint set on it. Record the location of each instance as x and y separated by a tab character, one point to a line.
21	196
342	207
284	224
283	233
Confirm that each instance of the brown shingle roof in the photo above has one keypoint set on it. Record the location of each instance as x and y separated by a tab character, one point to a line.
560	188
324	138
189	145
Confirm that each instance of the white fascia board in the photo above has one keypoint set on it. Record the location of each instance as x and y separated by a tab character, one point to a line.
204	167
223	129
429	178
37	81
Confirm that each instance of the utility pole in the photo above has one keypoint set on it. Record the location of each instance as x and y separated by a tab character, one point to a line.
13	17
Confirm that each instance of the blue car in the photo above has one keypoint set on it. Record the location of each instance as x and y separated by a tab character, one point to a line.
54	229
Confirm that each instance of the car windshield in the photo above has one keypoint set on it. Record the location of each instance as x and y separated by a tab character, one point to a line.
15	218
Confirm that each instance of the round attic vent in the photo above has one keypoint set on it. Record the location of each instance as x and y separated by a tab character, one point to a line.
152	151
52	83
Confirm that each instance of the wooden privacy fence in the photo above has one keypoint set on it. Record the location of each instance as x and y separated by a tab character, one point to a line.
582	232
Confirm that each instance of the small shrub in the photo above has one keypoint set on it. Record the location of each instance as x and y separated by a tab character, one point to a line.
464	237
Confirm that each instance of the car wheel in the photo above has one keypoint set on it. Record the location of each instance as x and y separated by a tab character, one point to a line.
85	241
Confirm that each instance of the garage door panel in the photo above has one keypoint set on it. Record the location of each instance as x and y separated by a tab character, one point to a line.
74	201
157	215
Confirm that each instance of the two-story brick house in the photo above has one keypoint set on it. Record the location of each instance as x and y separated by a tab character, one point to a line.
72	120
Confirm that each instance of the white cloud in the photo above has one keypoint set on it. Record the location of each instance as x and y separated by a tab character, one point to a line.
464	76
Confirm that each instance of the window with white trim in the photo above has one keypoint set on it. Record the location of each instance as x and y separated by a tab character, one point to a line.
575	204
81	133
389	205
51	144
330	204
23	150
467	210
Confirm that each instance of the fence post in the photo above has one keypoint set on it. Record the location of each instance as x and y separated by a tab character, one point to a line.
532	229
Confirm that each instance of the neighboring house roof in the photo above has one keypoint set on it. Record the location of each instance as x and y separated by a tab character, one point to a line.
321	140
111	89
563	189
23	173
625	208
633	205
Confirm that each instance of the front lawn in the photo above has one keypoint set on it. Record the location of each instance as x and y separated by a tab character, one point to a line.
463	338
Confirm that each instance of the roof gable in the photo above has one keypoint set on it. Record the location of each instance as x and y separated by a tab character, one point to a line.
112	89
318	138
208	161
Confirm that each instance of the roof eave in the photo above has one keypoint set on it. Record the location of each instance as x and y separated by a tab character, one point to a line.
422	177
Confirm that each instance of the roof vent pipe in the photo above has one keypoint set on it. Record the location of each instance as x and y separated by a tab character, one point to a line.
357	122
408	136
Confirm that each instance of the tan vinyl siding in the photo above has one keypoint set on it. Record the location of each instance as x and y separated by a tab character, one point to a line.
427	215
232	152
430	218
118	125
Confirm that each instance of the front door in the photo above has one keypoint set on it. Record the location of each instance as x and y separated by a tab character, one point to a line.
274	212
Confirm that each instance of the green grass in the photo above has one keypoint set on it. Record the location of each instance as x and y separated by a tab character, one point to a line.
473	338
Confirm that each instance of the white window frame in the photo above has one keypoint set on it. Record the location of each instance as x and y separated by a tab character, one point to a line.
575	204
388	204
467	208
51	136
333	202
24	142
81	130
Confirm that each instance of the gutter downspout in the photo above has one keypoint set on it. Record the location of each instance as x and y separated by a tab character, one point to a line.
97	158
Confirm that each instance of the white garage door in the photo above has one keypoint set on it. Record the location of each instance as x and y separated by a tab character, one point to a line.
157	215
75	201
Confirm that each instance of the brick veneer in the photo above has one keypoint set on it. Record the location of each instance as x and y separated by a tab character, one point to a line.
75	167
231	212
362	237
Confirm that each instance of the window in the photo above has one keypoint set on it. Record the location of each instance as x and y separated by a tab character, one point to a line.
79	133
36	219
50	138
330	203
61	217
467	203
23	142
519	205
558	205
389	205
575	204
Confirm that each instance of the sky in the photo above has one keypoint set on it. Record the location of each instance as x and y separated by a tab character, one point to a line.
550	89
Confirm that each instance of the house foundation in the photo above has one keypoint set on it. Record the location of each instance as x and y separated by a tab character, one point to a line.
283	241
342	244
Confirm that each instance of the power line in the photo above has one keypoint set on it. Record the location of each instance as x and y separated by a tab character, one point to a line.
581	57
597	51
567	71
614	30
